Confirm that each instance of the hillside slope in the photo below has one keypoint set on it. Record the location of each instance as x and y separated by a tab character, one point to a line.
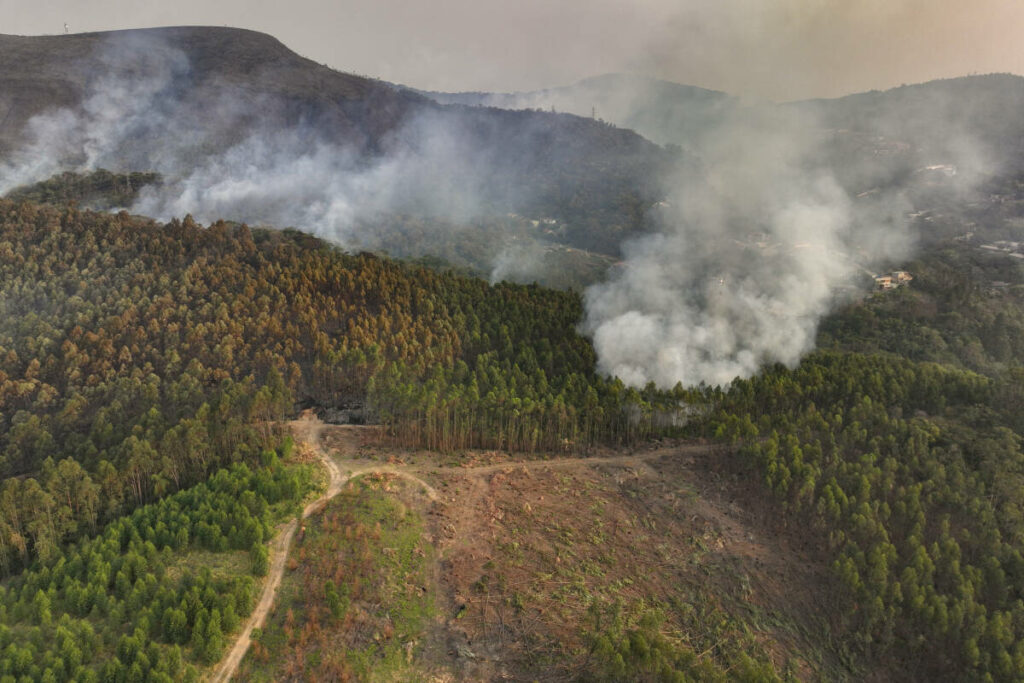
44	72
942	118
239	125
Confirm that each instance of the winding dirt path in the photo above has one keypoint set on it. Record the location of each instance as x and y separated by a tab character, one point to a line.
430	491
308	429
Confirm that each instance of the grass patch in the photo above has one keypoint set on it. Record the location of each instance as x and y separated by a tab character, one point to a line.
225	564
360	597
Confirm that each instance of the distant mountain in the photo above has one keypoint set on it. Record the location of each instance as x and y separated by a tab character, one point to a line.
938	120
956	117
661	111
238	126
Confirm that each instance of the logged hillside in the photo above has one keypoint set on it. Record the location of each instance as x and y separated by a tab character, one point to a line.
551	570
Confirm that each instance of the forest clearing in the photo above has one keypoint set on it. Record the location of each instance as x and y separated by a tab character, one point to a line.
622	530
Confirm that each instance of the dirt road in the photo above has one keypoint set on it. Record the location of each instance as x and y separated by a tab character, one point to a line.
635	460
308	430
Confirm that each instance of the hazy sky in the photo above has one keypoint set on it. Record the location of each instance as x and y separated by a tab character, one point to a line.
777	49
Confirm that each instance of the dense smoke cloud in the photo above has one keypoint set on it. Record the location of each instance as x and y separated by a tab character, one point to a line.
753	249
787	213
784	212
296	178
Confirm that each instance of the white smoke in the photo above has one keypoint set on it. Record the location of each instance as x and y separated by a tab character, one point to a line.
787	212
226	153
519	263
754	248
296	177
125	97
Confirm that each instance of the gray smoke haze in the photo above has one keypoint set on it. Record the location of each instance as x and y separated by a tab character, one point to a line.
121	102
763	232
661	111
784	217
780	49
296	178
786	212
225	154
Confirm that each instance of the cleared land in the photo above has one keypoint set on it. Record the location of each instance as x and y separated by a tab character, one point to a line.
531	561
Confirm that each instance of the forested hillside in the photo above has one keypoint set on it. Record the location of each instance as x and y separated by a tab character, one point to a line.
99	189
139	359
507	246
155	594
900	452
125	100
136	358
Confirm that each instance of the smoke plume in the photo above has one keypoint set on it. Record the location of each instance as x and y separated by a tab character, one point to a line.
765	229
781	219
228	153
132	95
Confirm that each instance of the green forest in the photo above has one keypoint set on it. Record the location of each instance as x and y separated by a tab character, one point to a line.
139	601
137	358
145	369
898	448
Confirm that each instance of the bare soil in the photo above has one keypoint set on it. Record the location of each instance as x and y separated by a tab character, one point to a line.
526	547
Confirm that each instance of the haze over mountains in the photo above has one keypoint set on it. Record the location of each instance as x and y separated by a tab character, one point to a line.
785	205
671	113
732	241
824	187
222	112
661	111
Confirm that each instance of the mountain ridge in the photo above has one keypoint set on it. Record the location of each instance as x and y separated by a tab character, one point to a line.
675	113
